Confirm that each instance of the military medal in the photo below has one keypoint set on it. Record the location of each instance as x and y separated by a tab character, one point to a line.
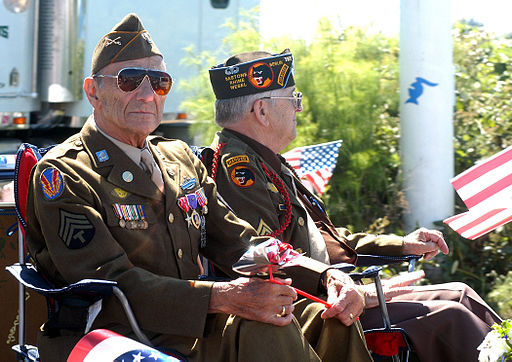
131	216
184	205
196	219
202	199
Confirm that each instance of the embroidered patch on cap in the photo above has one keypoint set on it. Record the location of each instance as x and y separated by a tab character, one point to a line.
75	230
51	183
243	176
260	75
237	159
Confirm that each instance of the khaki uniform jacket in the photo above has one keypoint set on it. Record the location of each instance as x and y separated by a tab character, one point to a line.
75	232
259	202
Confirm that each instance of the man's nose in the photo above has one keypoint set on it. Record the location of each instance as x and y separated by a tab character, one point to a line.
145	91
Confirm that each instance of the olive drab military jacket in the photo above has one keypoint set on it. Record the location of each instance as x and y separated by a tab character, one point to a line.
243	182
94	213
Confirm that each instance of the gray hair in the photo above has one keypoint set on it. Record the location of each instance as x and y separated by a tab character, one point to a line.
233	110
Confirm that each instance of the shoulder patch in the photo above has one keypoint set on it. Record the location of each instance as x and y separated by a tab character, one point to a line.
263	228
237	159
243	176
75	230
52	183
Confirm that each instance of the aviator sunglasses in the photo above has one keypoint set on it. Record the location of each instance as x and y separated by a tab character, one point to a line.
129	79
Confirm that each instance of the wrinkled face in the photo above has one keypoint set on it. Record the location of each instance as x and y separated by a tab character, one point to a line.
284	118
129	116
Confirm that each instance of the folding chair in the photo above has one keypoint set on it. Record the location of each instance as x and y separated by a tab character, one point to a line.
86	293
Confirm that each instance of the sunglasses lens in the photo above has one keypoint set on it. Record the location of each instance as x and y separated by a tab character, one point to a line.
161	82
129	79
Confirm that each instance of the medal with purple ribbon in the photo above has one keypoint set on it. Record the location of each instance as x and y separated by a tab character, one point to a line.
192	200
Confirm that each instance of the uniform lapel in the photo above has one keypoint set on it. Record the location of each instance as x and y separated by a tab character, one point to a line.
109	161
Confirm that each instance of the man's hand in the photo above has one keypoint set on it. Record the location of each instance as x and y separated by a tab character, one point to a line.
255	299
344	296
392	287
425	241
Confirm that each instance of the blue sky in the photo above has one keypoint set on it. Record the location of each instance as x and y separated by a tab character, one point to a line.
299	17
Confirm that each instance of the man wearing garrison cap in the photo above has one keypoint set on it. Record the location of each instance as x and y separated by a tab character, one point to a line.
114	203
257	106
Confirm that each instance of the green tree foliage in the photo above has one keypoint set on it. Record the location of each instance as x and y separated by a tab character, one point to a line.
349	79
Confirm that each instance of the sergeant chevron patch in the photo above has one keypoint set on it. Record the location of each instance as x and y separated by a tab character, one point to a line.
75	230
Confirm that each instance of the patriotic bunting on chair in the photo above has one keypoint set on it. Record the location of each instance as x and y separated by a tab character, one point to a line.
486	189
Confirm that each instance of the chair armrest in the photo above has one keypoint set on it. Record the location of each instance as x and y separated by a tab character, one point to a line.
368	260
91	290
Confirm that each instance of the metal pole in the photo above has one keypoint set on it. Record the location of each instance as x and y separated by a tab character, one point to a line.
426	109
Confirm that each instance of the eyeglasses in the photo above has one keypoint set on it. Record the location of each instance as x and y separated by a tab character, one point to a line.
297	99
129	79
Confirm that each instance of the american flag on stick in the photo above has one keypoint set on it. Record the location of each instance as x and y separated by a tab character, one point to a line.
486	189
315	164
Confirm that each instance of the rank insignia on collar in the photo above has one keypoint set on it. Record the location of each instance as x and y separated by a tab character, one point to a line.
52	183
102	156
243	176
188	183
127	176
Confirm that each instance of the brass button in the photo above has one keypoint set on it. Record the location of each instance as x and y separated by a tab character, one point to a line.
171	218
180	253
301	221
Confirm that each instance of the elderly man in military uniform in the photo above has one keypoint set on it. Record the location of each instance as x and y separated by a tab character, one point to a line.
258	116
113	203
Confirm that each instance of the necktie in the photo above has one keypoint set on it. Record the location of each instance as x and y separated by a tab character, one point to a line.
149	165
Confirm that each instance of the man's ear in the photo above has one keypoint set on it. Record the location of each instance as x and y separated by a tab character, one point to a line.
260	111
91	91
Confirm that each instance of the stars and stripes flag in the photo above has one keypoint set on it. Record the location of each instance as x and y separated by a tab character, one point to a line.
486	189
105	345
315	164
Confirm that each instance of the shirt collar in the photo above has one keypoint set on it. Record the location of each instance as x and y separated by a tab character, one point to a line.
132	152
266	153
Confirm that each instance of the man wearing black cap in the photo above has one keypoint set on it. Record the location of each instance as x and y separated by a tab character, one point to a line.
113	203
256	106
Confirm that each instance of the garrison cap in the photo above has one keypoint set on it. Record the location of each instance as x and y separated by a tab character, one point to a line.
251	73
126	41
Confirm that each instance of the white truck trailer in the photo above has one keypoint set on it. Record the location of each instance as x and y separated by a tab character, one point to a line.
46	48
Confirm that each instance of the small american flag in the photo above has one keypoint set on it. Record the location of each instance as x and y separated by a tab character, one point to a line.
105	345
486	189
315	164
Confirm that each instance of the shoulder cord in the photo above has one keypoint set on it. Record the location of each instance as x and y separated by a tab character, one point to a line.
215	161
280	186
275	179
